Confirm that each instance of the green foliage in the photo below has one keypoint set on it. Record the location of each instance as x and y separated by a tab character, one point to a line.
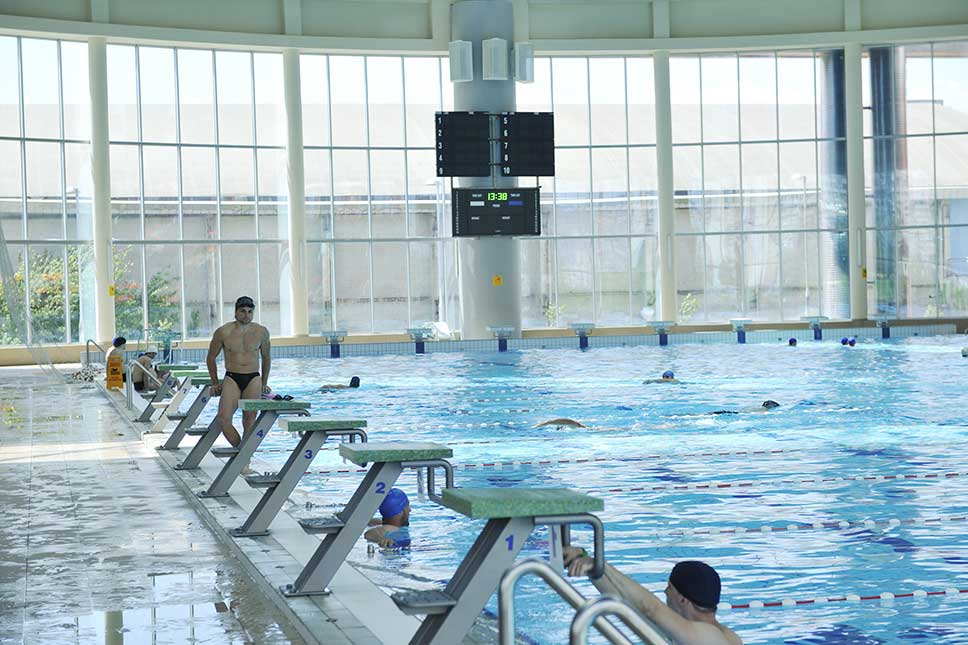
47	297
688	306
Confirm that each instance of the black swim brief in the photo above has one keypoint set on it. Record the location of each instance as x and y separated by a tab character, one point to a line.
242	380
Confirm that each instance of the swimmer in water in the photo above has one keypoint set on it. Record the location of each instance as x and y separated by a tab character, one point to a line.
394	515
354	382
766	406
561	423
668	376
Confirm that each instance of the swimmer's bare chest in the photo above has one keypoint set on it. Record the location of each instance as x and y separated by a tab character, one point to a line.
242	345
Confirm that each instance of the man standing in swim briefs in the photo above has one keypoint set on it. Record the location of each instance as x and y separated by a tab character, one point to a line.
243	341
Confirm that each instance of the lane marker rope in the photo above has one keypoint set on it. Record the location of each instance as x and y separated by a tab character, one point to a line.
690	486
811	526
886	595
774	482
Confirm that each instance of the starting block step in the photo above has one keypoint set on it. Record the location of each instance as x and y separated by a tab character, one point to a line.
424	602
263	481
225	452
197	431
161	404
321	524
177	417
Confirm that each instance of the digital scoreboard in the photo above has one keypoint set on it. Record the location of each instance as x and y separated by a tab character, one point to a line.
526	144
478	212
463	144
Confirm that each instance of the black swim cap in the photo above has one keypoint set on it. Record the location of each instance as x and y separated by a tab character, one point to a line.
698	582
769	404
244	301
355	381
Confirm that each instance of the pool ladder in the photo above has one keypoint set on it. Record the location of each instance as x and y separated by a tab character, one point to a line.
588	612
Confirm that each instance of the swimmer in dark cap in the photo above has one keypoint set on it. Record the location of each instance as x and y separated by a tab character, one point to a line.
688	615
766	406
354	382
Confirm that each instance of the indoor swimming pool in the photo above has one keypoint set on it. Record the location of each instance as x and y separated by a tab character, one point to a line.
856	484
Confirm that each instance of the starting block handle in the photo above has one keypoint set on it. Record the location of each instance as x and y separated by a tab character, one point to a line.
598	569
430	465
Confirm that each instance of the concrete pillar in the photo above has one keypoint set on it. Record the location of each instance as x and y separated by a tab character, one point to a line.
490	267
101	205
667	307
834	245
855	181
298	291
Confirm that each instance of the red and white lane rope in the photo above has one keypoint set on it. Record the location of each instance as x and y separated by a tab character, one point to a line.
693	485
775	482
812	526
501	465
885	595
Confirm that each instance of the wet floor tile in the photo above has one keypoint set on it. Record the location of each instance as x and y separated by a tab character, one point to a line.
98	545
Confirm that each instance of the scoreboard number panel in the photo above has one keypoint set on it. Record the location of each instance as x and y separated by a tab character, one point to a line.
526	144
463	146
478	212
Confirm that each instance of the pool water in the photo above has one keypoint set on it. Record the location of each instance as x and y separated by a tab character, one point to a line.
846	415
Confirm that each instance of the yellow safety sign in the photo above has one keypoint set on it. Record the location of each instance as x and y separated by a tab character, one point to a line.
497	280
115	372
111	290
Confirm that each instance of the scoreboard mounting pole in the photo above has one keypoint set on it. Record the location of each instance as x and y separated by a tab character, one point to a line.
490	267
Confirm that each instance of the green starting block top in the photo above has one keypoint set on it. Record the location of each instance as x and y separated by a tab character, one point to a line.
200	378
311	425
178	373
364	453
260	405
519	502
171	367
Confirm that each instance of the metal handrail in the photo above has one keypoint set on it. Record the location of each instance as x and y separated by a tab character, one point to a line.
594	610
87	350
540	568
129	386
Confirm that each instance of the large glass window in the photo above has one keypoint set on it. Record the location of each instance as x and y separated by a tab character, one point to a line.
596	259
760	185
916	133
45	188
197	168
374	209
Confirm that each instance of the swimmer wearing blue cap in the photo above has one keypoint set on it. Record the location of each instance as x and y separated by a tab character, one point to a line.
394	514
688	616
668	376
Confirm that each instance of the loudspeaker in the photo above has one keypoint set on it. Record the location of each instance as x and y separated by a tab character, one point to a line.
461	61
495	59
524	62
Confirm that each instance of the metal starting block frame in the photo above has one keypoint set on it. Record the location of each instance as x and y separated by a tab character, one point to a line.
171	408
420	336
661	328
583	331
512	514
167	387
188	419
269	412
335	337
279	486
815	323
388	460
502	334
